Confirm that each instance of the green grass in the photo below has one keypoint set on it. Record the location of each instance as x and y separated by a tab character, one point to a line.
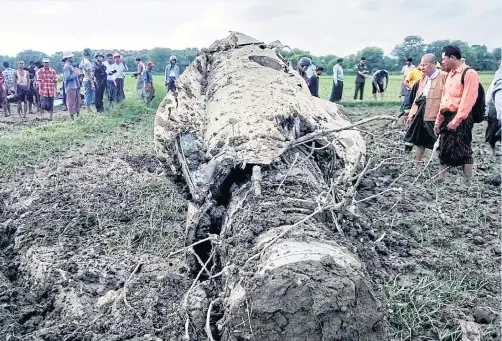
32	145
411	307
391	95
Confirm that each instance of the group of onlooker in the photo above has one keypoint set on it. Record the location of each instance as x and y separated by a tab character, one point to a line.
32	86
35	86
445	105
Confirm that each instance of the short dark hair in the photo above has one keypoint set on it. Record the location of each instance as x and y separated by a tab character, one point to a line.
5	64
409	59
138	59
32	62
339	60
320	68
363	58
109	55
452	50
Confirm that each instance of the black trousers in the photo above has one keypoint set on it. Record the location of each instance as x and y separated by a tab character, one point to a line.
359	87
336	92
100	92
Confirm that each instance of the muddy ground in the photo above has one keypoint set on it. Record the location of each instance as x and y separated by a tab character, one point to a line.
84	242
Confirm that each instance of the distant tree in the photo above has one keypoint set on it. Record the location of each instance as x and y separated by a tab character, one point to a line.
436	47
30	55
484	59
411	47
497	55
391	64
374	57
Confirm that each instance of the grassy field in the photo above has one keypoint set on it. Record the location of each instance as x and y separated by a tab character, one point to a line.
392	94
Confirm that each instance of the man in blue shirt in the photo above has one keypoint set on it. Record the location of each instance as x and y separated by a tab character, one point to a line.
377	83
314	82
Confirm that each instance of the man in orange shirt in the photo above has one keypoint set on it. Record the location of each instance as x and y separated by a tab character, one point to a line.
454	122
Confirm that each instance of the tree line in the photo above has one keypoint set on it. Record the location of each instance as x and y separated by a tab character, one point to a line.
477	56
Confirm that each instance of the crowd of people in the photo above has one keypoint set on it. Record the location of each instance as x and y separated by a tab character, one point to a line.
35	87
440	101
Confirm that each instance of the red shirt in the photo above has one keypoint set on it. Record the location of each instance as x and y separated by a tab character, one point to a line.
47	81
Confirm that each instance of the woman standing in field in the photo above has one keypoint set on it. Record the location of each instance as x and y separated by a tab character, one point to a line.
72	85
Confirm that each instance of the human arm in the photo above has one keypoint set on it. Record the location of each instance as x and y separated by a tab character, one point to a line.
496	94
469	96
386	80
167	74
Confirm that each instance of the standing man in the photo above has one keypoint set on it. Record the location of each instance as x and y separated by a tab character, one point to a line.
88	81
337	91
425	108
140	79
100	75
410	80
407	67
22	85
111	84
314	82
4	103
149	87
33	94
8	75
47	82
362	73
120	76
172	73
496	92
454	122
377	83
71	84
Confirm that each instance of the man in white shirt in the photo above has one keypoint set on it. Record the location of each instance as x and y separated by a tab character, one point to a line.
337	90
494	111
111	70
120	75
404	71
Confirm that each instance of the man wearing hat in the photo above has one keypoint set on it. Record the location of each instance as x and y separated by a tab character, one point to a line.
47	82
72	84
88	81
120	75
100	75
149	87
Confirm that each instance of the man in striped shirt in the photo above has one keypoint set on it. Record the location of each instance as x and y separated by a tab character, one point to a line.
47	82
8	75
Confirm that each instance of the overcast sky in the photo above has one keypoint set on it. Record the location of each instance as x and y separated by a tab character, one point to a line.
321	26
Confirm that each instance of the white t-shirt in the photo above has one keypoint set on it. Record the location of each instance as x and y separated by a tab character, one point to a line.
86	66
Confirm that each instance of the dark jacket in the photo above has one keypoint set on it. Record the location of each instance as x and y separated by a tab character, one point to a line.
314	85
100	73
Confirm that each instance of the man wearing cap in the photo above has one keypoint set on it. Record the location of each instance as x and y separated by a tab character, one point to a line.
88	81
149	87
172	73
100	75
72	84
47	82
120	76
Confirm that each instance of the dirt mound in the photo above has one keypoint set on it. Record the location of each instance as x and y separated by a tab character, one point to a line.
83	252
